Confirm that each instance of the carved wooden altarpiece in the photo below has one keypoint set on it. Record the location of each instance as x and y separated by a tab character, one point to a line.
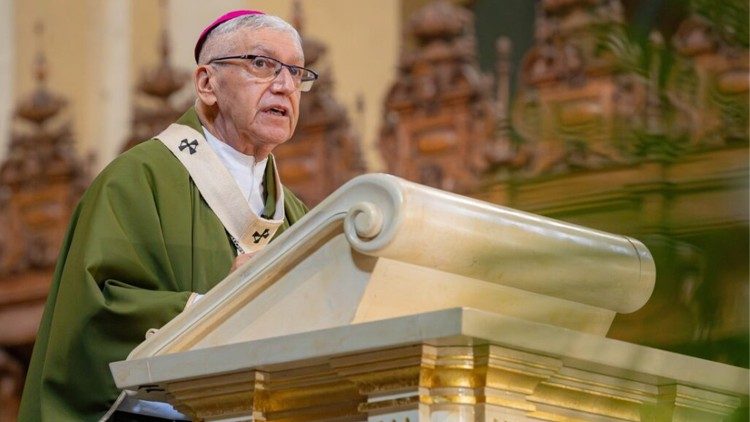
439	117
41	181
648	139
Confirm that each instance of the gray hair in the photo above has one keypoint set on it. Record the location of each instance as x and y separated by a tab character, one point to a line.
242	22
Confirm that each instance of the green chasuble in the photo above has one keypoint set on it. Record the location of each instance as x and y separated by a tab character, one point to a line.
141	240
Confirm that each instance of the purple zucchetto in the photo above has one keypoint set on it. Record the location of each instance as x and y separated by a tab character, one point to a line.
221	19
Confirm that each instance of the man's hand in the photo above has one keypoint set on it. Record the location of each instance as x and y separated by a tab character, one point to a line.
241	259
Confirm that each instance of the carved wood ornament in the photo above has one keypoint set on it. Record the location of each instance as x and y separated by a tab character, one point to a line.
439	118
156	105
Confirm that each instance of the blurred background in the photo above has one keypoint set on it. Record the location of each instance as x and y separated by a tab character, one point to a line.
630	116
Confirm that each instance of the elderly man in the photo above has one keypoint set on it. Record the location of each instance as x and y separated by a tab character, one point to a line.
167	220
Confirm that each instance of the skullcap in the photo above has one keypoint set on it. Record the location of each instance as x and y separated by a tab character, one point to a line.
221	19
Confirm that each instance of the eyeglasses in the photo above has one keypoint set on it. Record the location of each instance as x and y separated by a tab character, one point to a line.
266	68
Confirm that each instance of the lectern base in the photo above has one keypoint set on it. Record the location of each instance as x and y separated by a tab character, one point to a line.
451	365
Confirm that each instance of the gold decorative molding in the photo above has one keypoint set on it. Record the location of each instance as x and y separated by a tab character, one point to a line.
238	393
554	395
683	403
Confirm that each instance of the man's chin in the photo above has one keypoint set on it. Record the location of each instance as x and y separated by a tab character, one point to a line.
274	140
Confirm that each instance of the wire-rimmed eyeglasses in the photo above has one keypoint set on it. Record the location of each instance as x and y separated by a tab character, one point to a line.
268	68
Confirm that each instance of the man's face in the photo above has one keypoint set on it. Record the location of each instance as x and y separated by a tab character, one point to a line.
263	113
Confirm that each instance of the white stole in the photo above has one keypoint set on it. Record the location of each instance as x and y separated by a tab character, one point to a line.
217	186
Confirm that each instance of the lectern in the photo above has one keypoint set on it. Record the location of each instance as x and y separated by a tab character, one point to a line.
392	301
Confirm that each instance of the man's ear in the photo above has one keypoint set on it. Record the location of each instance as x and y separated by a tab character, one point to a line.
203	86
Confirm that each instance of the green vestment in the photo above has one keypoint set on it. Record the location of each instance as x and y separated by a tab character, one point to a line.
141	240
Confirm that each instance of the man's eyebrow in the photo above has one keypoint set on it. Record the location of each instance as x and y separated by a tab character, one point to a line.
259	49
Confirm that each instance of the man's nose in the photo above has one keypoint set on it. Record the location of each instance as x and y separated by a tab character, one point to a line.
284	82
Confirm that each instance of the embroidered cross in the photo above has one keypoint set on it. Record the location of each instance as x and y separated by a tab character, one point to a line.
257	236
191	146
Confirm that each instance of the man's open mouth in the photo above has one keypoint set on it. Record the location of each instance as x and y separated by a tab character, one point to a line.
278	111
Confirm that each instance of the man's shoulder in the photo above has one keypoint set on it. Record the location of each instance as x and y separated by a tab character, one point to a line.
141	165
150	151
146	156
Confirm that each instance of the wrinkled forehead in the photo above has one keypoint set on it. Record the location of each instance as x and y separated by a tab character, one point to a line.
277	43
